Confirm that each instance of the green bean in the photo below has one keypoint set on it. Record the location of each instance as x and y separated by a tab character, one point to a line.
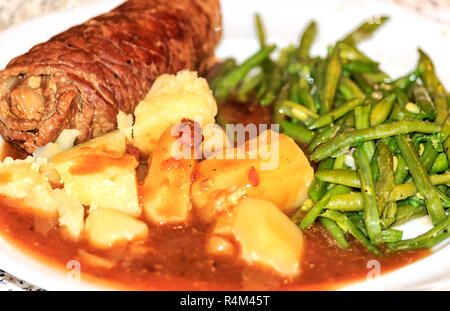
427	243
440	165
319	79
306	41
339	162
248	85
446	146
335	231
421	180
440	179
342	141
350	178
315	211
221	71
293	90
406	80
272	87
432	83
427	73
349	89
318	188
391	235
331	116
332	74
350	202
360	67
260	30
428	156
371	214
374	166
385	184
365	30
348	226
342	177
381	110
298	133
423	99
276	76
412	243
402	171
323	136
403	191
406	213
441	107
279	114
376	77
358	220
300	112
306	98
232	79
351	53
362	116
389	215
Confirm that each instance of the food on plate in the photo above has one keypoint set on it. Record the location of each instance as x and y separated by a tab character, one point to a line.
162	197
265	235
21	181
100	178
171	99
220	183
70	214
166	192
81	78
380	144
106	227
99	198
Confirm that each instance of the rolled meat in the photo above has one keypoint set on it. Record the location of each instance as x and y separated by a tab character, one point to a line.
81	78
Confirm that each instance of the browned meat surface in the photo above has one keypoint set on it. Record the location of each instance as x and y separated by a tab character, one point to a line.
82	77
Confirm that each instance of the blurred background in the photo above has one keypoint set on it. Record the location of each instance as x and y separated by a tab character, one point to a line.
16	11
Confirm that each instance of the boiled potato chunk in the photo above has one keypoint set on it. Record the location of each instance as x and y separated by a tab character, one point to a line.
220	183
108	227
267	236
21	180
171	99
113	142
220	246
166	190
101	179
215	139
71	213
125	125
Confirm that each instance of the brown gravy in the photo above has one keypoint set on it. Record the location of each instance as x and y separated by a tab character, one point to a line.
174	258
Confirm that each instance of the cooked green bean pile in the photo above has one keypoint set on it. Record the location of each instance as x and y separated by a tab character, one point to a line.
381	144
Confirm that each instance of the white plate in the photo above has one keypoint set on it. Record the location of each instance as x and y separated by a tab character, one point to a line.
394	46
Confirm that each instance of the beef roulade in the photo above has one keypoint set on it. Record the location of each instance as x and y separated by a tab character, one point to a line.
81	78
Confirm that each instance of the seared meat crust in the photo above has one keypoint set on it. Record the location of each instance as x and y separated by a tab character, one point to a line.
91	71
